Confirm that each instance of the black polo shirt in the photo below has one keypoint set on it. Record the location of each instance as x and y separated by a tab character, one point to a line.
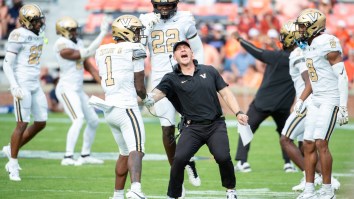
194	97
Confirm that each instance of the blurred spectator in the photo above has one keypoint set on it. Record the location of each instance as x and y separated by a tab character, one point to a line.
252	78
259	7
231	46
203	30
325	6
342	34
240	64
290	9
271	41
269	21
53	102
217	39
13	15
4	10
246	21
350	43
349	67
253	37
211	56
45	76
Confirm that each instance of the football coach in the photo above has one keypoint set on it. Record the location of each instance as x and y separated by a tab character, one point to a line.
193	90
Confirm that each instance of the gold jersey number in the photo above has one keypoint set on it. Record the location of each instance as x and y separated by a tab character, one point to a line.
158	38
109	81
311	70
35	54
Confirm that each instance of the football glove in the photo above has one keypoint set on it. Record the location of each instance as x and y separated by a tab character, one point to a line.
298	107
149	20
17	92
149	100
342	116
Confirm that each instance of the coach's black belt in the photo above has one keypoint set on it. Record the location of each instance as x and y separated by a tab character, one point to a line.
204	122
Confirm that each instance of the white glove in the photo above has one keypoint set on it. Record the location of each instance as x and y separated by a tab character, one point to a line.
298	107
105	23
149	100
17	92
149	20
342	116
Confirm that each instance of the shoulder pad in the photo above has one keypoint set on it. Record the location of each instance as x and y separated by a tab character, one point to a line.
16	36
139	53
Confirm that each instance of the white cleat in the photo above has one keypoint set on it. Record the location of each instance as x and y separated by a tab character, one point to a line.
335	184
192	174
135	195
301	186
326	194
7	151
68	162
289	168
88	160
307	195
14	172
244	168
231	194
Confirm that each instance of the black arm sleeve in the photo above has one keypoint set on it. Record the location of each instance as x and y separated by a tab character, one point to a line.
251	49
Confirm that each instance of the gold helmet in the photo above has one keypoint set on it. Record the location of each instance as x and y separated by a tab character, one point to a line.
65	25
128	28
314	22
287	34
29	14
170	13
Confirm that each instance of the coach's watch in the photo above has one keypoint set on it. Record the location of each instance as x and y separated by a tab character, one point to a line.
239	112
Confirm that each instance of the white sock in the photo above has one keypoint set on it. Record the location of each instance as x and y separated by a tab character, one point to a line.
118	193
309	187
327	187
135	186
13	161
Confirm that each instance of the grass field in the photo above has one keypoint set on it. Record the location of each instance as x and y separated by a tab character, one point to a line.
44	177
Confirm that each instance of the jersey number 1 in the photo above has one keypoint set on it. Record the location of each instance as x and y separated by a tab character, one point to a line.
109	81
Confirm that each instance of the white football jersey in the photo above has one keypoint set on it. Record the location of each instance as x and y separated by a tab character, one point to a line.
71	71
162	38
297	67
28	47
324	81
117	64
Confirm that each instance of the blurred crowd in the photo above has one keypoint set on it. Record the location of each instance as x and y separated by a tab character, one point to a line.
261	27
9	12
258	21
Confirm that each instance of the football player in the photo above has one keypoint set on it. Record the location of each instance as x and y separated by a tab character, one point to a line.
22	68
164	27
329	87
121	67
72	58
294	126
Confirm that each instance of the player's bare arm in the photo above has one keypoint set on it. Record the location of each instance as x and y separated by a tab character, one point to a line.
139	84
70	54
92	70
231	102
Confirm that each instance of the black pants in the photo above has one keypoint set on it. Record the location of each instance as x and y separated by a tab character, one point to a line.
256	117
192	138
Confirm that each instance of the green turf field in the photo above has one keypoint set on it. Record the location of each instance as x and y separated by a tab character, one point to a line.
44	177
